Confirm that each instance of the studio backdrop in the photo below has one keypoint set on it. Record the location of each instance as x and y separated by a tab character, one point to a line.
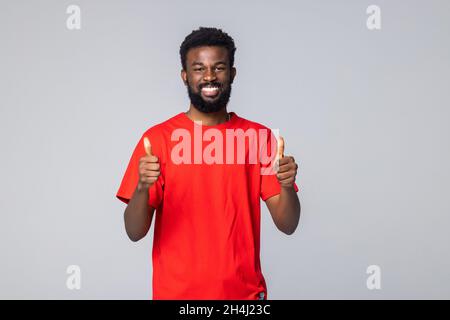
359	90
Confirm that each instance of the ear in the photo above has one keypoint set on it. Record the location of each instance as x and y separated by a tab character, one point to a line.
233	74
184	76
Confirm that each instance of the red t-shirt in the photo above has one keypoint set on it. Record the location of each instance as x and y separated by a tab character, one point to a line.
207	222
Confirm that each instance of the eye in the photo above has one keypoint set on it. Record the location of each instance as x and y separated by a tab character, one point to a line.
220	68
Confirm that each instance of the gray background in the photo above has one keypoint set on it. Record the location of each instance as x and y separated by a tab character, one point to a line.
365	113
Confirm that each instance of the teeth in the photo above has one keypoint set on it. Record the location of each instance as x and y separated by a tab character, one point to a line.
210	88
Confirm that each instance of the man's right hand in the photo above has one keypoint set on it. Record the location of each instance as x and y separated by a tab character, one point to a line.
149	169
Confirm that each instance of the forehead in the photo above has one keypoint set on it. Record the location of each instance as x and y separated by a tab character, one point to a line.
207	54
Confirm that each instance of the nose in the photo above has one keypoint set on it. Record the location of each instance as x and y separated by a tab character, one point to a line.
209	75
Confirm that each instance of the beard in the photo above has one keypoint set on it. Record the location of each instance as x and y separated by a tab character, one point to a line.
210	106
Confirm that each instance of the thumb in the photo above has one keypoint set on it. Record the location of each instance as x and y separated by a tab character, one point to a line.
147	146
280	147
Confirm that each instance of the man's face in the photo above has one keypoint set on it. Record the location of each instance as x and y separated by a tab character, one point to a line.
208	77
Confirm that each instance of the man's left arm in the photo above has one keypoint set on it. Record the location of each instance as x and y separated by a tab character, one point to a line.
285	207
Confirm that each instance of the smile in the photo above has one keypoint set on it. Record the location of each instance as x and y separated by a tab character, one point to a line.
210	91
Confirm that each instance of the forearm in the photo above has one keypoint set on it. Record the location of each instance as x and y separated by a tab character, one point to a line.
288	210
138	214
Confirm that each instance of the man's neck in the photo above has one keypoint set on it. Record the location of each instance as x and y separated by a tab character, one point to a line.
208	119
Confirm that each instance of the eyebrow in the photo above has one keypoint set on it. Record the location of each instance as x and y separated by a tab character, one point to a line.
200	63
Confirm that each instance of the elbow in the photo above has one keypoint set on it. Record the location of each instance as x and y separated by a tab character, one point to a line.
135	228
290	228
133	233
134	237
289	231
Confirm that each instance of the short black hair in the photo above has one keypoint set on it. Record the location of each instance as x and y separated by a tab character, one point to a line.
205	36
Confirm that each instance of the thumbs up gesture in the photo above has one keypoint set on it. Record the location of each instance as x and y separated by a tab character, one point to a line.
287	168
149	169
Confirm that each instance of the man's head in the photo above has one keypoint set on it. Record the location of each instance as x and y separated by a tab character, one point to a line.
207	58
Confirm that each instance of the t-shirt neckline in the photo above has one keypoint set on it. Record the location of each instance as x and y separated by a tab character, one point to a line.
233	117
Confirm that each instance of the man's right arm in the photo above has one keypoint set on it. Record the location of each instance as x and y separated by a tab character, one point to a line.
138	214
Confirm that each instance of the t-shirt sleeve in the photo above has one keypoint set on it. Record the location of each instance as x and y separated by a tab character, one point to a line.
269	182
131	177
271	187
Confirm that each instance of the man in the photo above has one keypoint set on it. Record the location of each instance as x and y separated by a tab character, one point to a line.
207	200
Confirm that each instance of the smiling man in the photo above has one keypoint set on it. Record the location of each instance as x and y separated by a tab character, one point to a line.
207	224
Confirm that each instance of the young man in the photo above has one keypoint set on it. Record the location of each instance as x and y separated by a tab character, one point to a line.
206	185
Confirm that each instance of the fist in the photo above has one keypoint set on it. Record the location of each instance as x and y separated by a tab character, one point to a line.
149	169
287	168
